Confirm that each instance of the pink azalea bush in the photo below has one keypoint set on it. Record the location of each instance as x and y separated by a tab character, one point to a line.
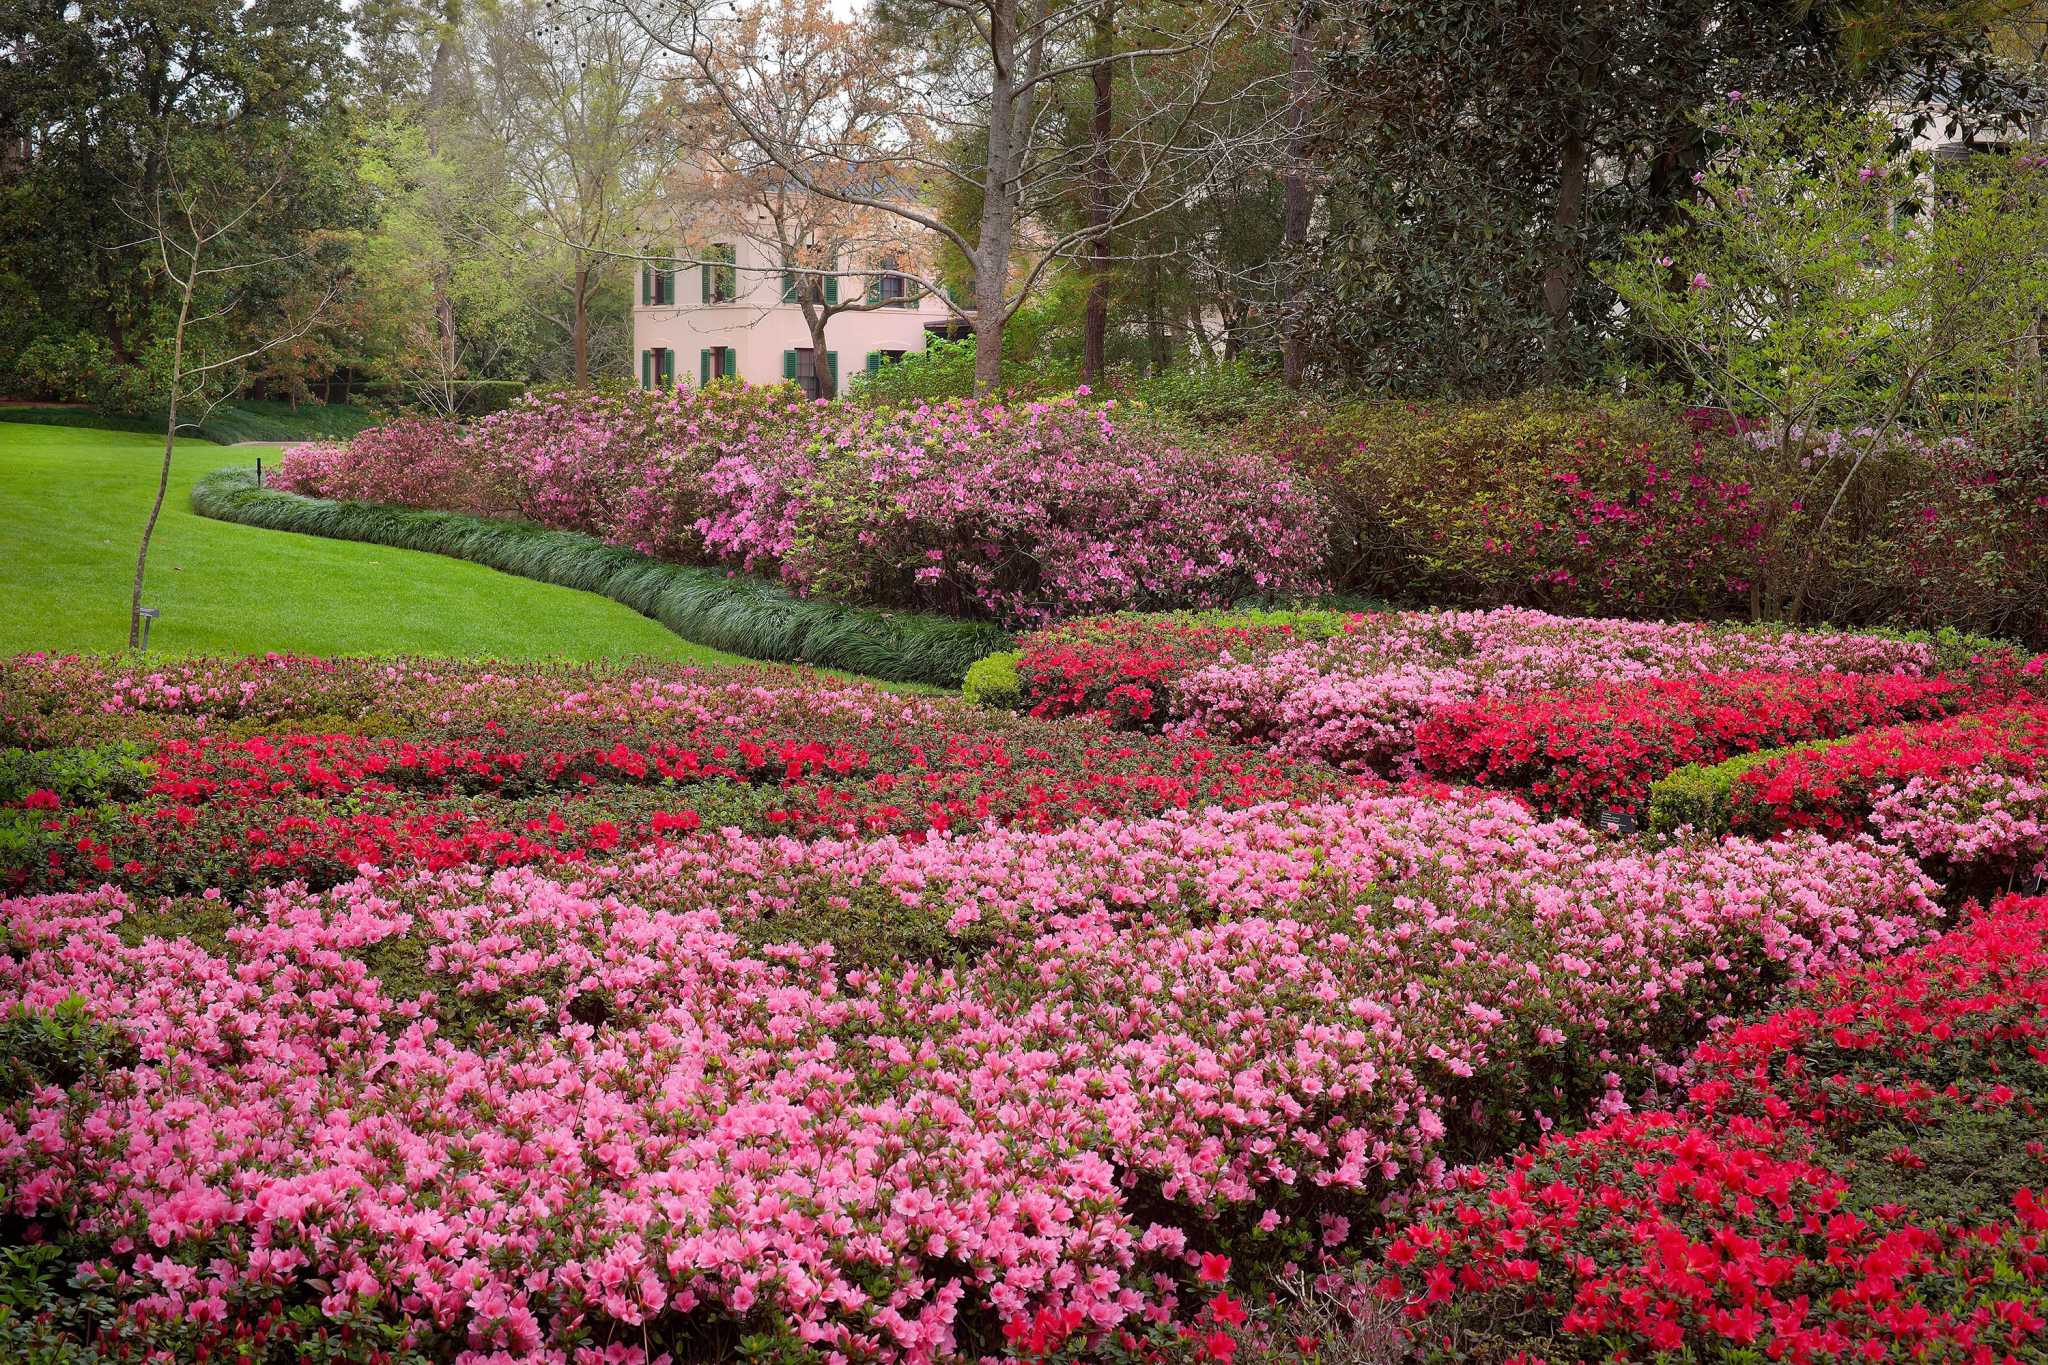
1981	821
1357	699
634	1111
410	462
1023	512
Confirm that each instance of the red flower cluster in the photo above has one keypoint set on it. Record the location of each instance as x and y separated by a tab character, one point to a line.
1600	748
1861	1176
1834	788
1120	669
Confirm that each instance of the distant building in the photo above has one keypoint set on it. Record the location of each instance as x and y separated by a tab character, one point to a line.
734	312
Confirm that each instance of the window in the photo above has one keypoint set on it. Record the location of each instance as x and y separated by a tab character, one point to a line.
889	288
717	362
657	368
658	284
719	280
801	368
877	359
817	287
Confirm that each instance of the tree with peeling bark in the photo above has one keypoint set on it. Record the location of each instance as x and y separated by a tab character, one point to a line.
967	90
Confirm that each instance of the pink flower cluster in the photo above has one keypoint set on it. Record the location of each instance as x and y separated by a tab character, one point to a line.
1980	820
609	1114
1024	512
1357	699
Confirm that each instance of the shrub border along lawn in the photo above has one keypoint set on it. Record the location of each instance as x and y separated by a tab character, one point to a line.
739	613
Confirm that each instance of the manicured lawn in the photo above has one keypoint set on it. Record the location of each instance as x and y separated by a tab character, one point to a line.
72	504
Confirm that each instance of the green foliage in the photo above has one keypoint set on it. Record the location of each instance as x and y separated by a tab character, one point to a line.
89	776
60	1045
870	928
992	681
1698	794
247	420
735	612
1211	396
60	368
945	369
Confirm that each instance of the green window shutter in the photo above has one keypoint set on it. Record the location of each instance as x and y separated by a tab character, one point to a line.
665	368
647	369
874	289
732	362
832	364
704	281
703	368
789	286
831	289
874	362
789	365
646	283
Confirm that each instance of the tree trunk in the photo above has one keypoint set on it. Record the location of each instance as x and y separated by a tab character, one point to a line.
163	481
1560	279
998	201
581	330
819	367
1095	321
1295	201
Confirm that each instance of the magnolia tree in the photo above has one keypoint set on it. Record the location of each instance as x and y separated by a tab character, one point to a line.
956	99
1842	299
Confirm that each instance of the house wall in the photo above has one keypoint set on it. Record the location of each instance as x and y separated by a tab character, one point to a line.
761	327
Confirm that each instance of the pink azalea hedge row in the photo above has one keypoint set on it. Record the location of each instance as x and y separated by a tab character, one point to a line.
1024	512
523	1117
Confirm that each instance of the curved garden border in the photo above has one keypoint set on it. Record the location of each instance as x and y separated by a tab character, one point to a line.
738	613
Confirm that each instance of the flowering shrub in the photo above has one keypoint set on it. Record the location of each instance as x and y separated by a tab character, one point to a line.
1834	788
1976	824
411	462
1024	512
1600	748
1122	669
522	1117
1858	1176
508	765
1357	700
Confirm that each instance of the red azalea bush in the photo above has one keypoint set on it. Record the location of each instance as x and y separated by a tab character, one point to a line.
1860	1176
1834	788
1601	747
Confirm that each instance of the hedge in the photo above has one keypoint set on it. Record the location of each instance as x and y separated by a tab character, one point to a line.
733	612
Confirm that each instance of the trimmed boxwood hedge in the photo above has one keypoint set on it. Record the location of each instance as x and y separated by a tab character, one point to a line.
739	613
1698	794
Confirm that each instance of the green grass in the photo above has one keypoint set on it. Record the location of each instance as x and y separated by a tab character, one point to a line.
72	504
247	420
746	614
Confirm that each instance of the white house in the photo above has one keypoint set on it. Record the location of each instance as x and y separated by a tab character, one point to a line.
735	313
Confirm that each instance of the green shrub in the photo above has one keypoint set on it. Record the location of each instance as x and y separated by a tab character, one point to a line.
1698	795
59	1045
92	776
60	369
739	613
1210	396
945	369
992	681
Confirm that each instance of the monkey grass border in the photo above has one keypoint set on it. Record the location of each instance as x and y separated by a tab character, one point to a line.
739	613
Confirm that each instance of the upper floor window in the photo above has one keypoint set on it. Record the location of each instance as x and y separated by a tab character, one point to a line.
720	275
889	287
810	282
658	283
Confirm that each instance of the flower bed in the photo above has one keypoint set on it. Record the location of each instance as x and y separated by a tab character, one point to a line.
1357	700
509	766
635	1113
1859	1176
1021	512
1600	748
